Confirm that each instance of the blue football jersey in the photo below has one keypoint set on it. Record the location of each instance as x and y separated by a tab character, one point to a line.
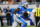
22	10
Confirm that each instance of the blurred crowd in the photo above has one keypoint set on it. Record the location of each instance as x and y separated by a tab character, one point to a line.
8	16
8	11
16	1
9	1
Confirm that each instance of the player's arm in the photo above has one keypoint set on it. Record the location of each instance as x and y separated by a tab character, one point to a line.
18	9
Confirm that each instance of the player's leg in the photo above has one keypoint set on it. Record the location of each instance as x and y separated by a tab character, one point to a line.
31	22
14	24
20	20
24	23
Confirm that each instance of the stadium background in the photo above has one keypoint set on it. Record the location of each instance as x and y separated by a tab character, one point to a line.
12	7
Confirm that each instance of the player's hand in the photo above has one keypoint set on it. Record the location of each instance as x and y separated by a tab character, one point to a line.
17	15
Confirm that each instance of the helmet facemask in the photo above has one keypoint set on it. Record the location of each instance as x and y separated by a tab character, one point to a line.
26	5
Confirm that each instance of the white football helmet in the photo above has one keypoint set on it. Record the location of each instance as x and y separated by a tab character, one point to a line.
25	4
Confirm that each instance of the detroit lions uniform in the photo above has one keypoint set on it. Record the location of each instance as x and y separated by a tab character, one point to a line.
20	19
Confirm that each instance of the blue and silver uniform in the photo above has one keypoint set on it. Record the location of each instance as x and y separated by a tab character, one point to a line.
21	12
20	19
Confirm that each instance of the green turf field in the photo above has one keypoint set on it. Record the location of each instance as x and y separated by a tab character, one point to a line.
19	26
29	26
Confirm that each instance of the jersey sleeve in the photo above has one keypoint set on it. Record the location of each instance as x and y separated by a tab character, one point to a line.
20	7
